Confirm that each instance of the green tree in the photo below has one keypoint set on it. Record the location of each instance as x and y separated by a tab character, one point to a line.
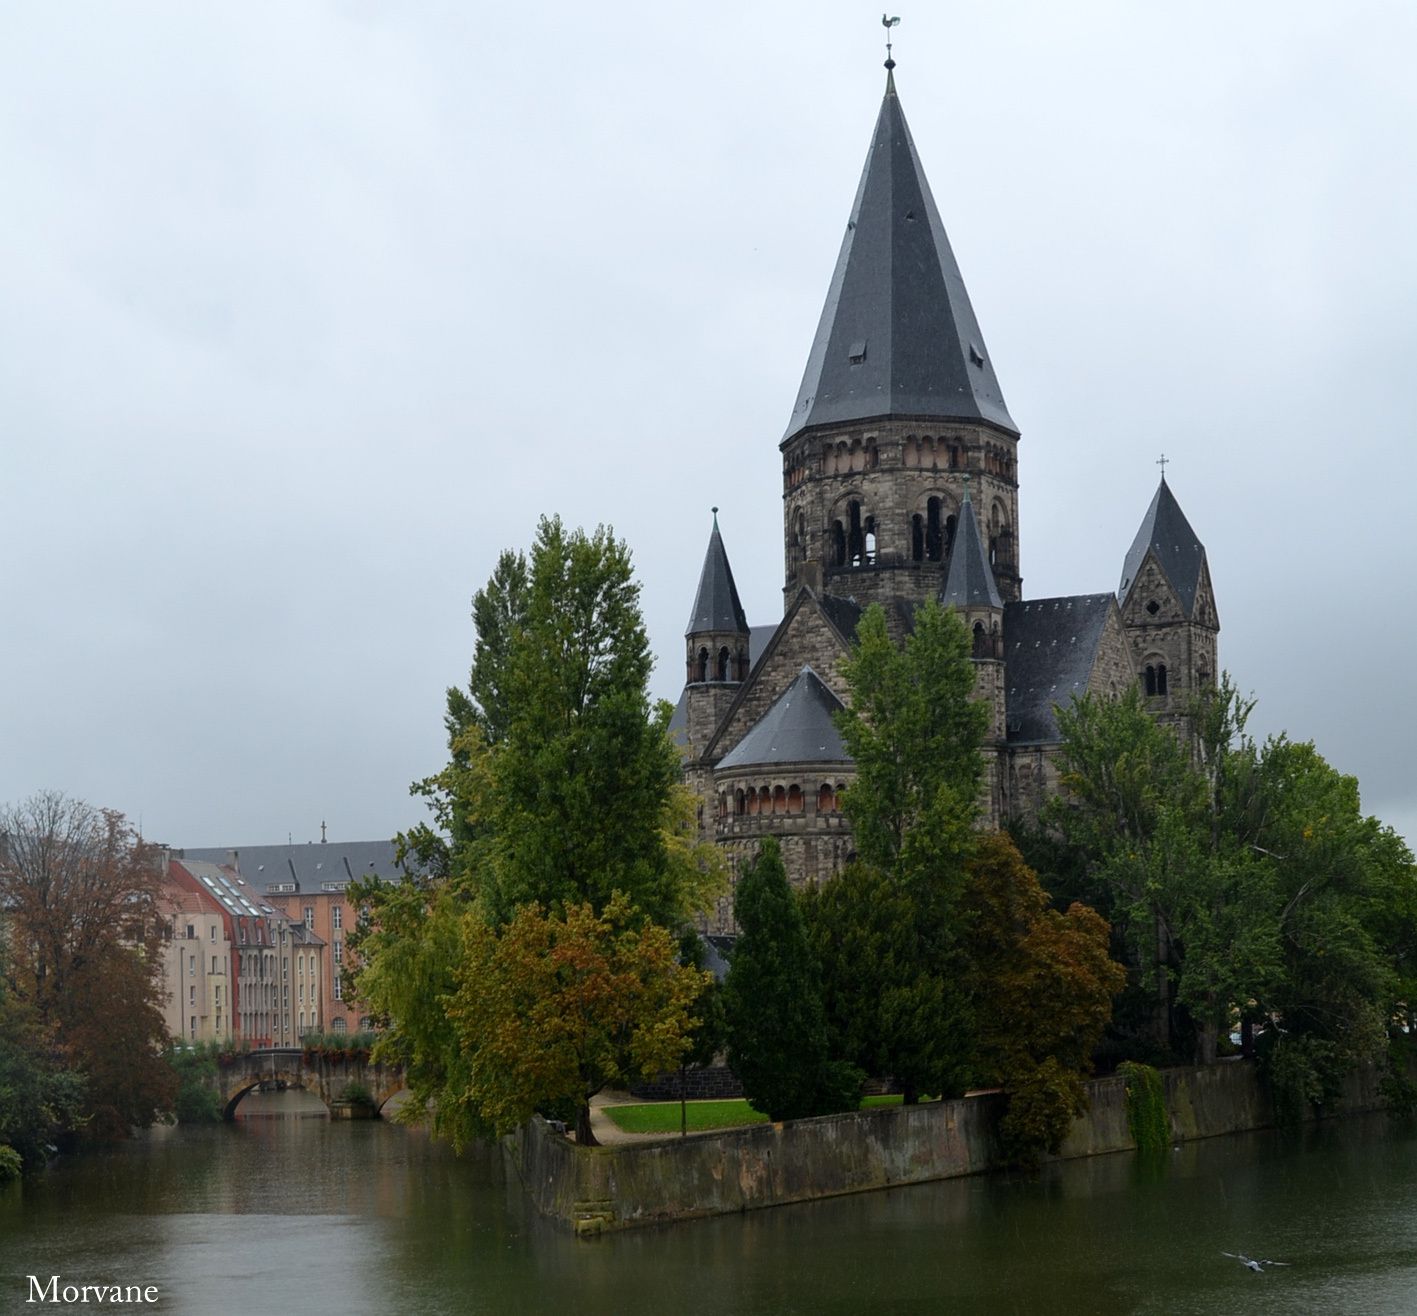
41	1103
887	930
563	783
773	1017
914	733
551	1007
888	1011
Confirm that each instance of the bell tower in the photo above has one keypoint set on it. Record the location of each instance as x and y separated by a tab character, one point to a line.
899	403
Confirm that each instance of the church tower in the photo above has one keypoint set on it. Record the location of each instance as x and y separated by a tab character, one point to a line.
1168	606
716	646
898	404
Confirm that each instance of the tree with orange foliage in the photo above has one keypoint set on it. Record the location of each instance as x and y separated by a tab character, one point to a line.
550	1008
78	894
1042	985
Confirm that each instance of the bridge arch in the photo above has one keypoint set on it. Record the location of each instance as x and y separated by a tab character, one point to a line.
233	1093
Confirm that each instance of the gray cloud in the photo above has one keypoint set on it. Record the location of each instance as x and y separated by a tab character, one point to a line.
310	310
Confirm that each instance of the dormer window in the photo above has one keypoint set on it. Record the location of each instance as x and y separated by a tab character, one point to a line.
856	354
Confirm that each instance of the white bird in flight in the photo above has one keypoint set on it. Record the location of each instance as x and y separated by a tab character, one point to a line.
1256	1266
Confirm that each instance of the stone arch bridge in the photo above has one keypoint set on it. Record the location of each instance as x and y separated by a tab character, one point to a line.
329	1079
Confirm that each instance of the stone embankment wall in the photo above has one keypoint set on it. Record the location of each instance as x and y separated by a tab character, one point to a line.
594	1189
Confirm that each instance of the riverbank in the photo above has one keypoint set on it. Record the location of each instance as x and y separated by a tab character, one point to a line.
594	1190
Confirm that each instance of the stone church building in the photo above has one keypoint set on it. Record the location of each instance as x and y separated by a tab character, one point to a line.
900	484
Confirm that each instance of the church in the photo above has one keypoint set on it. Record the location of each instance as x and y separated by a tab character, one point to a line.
900	484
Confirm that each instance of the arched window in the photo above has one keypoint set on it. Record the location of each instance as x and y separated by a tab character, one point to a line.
934	532
917	538
1161	678
752	801
871	540
724	658
742	661
740	803
701	666
1149	679
981	641
855	536
826	799
794	799
838	544
779	800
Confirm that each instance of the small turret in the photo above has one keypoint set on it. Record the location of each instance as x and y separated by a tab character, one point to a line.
1168	606
716	646
970	587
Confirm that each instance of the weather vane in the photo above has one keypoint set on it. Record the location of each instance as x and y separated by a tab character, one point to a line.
889	23
1162	462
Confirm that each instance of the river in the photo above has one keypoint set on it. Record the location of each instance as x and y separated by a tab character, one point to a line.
286	1212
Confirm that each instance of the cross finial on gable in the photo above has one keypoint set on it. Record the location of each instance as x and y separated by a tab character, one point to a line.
1163	461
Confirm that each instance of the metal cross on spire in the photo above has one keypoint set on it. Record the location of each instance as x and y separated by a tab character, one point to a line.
889	23
1163	461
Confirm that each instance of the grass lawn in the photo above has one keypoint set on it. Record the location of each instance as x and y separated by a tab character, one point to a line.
663	1116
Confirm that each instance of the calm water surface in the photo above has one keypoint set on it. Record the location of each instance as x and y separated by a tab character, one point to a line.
286	1212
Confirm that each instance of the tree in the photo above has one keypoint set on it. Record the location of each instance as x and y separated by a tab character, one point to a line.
888	1011
79	890
563	783
773	1017
1041	984
40	1102
886	930
553	1006
914	733
1246	882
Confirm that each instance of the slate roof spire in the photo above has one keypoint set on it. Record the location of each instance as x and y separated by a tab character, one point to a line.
897	335
716	605
1179	551
969	582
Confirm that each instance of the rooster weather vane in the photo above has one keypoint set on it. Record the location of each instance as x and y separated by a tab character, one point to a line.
889	23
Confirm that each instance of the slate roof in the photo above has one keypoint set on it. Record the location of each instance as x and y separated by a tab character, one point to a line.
798	728
1167	533
1050	646
309	867
716	605
970	582
897	336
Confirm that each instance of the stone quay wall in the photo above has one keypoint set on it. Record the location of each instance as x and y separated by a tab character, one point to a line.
595	1189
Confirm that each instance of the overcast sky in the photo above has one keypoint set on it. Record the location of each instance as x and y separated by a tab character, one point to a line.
307	310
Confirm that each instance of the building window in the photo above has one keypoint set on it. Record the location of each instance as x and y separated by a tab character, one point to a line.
309	916
339	951
212	930
191	996
336	916
339	988
192	1027
191	932
192	965
339	1024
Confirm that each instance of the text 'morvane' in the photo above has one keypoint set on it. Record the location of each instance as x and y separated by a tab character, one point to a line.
69	1294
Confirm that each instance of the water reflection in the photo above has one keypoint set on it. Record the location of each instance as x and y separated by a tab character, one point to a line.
287	1210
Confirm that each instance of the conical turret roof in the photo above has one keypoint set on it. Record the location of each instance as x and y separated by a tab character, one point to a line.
1166	532
716	606
898	335
798	728
970	581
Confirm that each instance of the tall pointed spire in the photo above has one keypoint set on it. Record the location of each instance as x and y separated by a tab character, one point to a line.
970	581
716	605
898	335
1179	551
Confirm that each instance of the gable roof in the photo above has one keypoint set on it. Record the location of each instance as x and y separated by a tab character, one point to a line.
1179	552
716	605
897	336
798	728
309	867
1050	647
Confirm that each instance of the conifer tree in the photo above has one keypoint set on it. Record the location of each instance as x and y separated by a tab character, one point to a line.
776	1028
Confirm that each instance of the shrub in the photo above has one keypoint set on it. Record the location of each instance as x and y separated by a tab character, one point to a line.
1147	1119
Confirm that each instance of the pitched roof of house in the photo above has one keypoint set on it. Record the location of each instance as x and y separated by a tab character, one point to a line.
1166	532
798	728
309	867
1050	646
897	336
